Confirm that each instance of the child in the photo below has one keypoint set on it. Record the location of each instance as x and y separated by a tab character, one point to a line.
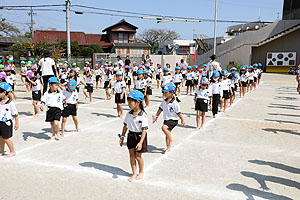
183	72
171	113
201	101
127	77
74	75
89	81
8	112
53	99
243	81
119	90
23	72
226	87
196	76
166	78
36	92
134	71
259	73
97	72
177	79
11	80
234	78
140	83
64	74
148	81
70	105
107	81
216	93
255	75
158	73
136	122
189	80
204	72
251	78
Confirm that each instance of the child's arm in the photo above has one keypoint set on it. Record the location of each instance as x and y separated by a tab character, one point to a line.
123	93
32	82
123	135
77	105
145	91
182	119
16	122
154	119
140	144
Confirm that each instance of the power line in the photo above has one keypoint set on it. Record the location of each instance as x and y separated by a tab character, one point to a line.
36	6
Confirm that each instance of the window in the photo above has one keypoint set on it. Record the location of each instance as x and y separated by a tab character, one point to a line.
123	37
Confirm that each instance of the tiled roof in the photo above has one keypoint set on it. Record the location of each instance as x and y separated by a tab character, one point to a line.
13	40
123	21
51	37
141	45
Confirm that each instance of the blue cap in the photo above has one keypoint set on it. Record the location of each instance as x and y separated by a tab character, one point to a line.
139	72
255	65
5	86
177	68
53	80
235	75
119	73
195	67
189	67
216	74
72	84
250	67
246	66
165	69
136	95
204	80
146	71
243	68
233	68
205	65
169	87
259	64
225	72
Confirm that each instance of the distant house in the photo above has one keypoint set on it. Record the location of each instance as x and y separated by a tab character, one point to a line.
120	38
6	42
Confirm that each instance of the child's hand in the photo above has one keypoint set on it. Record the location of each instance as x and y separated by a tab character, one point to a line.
138	146
183	122
16	126
42	108
121	142
154	119
210	106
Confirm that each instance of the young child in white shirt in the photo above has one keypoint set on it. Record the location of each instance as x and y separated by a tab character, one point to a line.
119	90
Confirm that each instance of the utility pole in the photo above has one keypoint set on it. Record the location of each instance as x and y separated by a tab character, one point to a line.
215	27
31	21
68	30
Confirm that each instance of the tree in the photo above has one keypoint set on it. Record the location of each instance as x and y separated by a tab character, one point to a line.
92	48
39	48
156	36
75	49
7	29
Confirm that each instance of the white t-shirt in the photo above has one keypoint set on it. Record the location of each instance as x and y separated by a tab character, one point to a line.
10	79
202	94
213	66
148	82
97	72
166	79
243	77
118	86
46	66
7	111
53	99
216	88
120	63
136	124
189	76
140	84
89	79
170	110
107	77
37	87
177	78
70	97
226	84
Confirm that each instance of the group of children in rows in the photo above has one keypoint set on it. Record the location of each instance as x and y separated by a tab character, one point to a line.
210	89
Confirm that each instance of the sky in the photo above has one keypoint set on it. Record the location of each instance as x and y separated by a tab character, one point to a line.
244	10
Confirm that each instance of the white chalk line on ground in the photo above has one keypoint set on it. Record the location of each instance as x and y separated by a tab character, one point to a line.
256	120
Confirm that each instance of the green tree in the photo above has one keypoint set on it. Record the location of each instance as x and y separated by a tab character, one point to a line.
92	48
156	36
75	49
8	29
96	48
39	48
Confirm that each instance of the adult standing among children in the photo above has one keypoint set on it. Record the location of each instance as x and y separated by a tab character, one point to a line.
47	67
213	65
127	61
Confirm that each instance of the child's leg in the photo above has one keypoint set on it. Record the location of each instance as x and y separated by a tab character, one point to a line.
56	128
1	146
225	104
36	108
187	90
97	84
15	97
76	123
85	93
52	130
140	161
169	139
11	148
106	92
132	155
157	82
221	103
147	100
178	89
202	120
91	97
129	88
63	125
120	110
198	118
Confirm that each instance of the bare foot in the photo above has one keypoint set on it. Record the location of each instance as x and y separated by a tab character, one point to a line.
36	115
201	128
198	128
77	129
62	135
140	176
132	178
10	155
52	138
214	116
121	116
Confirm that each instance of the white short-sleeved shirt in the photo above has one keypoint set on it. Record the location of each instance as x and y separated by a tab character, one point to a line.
118	86
202	94
140	84
53	99
177	78
127	76
226	84
138	123
196	75
70	97
10	79
7	111
158	71
251	75
170	110
243	77
204	73
213	66
120	63
89	79
46	66
97	72
107	77
166	79
64	75
135	68
37	87
189	76
148	82
216	88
